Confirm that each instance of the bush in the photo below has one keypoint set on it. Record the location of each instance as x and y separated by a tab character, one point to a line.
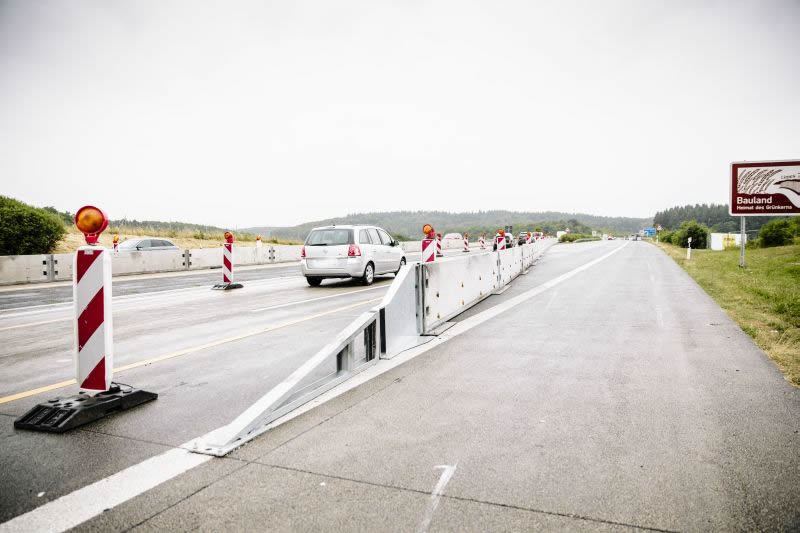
776	233
698	232
28	230
665	236
572	237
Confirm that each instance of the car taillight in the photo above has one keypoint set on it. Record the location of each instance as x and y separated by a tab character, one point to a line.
353	251
302	252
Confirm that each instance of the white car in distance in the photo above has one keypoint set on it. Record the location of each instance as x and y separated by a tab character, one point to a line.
360	252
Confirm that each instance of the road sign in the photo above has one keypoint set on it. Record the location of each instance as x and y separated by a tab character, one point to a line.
766	188
650	232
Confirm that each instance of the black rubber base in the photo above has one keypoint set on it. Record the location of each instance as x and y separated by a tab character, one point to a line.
227	286
62	414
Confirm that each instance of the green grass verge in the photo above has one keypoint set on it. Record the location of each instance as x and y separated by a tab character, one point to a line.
763	298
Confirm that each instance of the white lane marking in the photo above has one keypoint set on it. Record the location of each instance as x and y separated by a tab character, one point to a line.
140	277
438	490
148	477
83	504
147	296
298	302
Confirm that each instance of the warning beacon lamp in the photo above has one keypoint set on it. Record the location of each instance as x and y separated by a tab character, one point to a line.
501	232
427	229
228	237
91	221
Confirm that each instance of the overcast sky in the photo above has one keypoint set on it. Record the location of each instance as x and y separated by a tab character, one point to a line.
274	113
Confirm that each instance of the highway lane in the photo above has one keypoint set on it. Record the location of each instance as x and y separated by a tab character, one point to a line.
621	398
208	354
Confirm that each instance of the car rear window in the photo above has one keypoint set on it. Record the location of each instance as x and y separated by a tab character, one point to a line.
329	237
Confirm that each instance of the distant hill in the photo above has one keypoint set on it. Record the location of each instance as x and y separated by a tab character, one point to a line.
408	224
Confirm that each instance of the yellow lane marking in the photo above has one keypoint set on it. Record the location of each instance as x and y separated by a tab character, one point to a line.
47	388
298	302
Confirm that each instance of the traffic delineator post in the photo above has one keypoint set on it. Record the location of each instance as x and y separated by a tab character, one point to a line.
482	241
116	242
529	239
227	265
429	244
93	341
466	242
439	245
501	240
91	292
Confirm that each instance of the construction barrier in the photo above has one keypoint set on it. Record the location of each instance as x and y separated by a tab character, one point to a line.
422	298
428	250
94	345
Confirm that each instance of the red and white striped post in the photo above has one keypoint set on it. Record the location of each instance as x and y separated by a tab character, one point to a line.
116	242
501	240
227	265
94	342
466	242
529	240
439	245
227	262
482	241
91	293
429	244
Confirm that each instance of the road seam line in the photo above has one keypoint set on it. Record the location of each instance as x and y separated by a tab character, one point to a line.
465	499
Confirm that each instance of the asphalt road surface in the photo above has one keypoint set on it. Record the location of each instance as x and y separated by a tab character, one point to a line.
618	396
208	354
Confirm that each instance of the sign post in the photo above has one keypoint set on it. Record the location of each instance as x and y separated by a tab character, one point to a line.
763	188
741	245
689	249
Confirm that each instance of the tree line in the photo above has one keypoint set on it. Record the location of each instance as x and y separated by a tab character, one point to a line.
715	216
408	224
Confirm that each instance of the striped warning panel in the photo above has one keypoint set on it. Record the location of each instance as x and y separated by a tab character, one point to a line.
93	326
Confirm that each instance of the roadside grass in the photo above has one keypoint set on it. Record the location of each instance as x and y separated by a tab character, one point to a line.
182	239
763	298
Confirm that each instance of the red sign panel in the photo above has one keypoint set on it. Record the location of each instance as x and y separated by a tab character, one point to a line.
767	188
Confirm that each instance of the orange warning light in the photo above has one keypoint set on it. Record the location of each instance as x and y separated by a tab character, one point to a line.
427	230
116	239
91	221
228	237
501	232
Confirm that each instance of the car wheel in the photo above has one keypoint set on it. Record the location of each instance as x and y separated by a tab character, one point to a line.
402	264
369	274
314	282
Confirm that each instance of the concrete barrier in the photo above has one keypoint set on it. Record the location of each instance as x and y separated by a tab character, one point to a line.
144	262
282	253
62	267
24	268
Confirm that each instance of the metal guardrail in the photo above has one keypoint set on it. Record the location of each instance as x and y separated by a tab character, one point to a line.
353	350
422	297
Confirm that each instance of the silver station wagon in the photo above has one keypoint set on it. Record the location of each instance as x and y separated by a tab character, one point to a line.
350	252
